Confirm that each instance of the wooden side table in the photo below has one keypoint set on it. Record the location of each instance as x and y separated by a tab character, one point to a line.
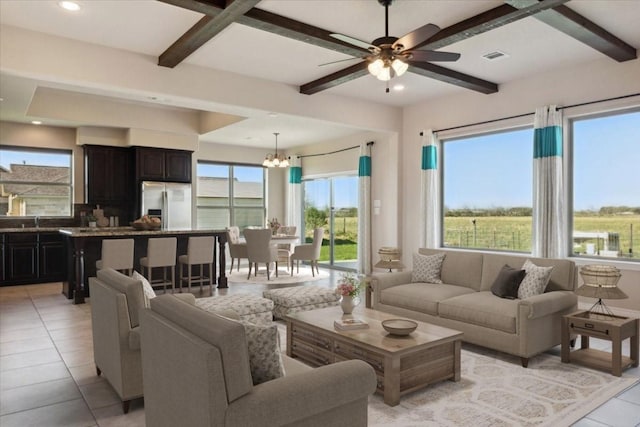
615	329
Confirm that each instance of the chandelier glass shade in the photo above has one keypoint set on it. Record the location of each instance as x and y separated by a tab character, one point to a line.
275	160
385	69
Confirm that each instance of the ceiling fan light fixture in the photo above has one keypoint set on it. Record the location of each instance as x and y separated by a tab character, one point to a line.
399	66
384	74
376	66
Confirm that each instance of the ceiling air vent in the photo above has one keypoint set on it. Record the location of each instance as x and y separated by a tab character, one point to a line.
496	54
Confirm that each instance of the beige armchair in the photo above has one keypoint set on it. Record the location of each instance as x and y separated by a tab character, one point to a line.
260	249
308	252
237	248
197	373
116	301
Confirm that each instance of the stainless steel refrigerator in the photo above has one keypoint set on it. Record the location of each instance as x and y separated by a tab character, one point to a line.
169	201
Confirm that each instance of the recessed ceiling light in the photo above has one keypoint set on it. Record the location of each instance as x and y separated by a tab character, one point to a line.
273	114
69	5
36	122
398	87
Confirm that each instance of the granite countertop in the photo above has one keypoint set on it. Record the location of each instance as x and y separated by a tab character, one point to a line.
103	231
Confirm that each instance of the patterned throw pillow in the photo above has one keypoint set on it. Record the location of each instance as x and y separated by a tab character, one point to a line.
147	289
264	352
426	268
535	281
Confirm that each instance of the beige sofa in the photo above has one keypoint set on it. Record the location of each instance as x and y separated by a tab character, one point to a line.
464	301
197	373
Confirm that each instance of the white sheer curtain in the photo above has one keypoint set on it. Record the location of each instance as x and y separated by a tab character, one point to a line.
549	231
364	210
294	201
430	221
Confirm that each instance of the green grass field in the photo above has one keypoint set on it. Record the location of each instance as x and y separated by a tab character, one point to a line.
514	233
498	232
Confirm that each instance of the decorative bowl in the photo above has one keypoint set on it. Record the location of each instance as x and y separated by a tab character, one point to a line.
145	226
399	326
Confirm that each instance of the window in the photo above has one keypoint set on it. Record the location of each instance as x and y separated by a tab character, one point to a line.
35	182
230	195
606	189
487	191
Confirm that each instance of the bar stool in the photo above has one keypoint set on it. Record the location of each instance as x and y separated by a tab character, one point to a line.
161	252
116	254
199	252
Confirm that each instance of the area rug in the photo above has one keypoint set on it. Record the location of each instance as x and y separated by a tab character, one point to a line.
284	276
496	391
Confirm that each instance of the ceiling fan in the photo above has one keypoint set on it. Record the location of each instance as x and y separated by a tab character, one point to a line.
391	56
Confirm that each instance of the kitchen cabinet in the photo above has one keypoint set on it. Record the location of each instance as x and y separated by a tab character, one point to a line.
52	262
2	276
108	175
22	258
157	164
33	258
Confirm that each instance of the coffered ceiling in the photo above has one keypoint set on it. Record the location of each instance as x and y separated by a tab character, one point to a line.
285	41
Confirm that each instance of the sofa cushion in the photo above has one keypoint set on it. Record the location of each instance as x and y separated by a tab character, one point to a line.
422	297
147	289
451	273
535	281
132	288
507	283
482	309
427	268
264	352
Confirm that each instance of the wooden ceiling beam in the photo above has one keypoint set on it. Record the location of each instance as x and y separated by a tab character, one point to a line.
577	26
203	31
446	75
486	21
335	79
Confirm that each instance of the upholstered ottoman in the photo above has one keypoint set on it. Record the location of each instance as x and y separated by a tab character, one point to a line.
249	307
300	298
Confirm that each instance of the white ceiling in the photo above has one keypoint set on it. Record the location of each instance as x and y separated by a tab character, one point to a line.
149	27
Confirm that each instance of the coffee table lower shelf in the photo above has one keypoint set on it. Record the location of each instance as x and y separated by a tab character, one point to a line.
399	370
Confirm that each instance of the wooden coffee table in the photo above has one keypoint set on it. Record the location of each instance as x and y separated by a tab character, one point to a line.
403	364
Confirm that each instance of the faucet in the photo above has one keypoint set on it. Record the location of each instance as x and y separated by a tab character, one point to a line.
37	221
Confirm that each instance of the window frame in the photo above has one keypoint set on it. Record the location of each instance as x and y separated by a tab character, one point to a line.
69	185
231	207
509	125
580	114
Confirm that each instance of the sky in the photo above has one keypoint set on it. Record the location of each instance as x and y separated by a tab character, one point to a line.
496	170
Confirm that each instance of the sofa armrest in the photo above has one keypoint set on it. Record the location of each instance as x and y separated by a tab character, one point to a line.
304	395
190	298
382	281
549	303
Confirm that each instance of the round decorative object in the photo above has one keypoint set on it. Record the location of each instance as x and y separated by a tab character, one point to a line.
389	253
103	221
399	326
348	304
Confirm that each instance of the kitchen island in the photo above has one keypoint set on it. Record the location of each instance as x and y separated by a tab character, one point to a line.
84	245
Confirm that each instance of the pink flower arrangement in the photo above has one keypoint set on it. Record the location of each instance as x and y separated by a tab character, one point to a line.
349	285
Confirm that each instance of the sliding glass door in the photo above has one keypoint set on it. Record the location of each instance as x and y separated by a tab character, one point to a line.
332	203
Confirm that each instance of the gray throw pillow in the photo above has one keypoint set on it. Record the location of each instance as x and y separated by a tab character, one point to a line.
264	352
507	283
535	281
426	268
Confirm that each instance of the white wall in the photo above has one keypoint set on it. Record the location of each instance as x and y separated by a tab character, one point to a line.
588	82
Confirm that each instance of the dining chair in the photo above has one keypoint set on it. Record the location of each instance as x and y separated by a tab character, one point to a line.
237	248
161	253
199	252
260	249
308	252
117	254
286	249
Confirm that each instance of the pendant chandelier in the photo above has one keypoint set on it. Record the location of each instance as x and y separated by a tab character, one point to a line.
275	160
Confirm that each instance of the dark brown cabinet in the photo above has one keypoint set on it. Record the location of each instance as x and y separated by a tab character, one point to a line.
34	258
52	260
108	175
2	276
157	164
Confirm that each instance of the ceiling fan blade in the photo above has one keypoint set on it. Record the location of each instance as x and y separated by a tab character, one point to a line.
433	56
354	42
417	36
335	62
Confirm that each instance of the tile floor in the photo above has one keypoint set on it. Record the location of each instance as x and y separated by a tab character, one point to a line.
47	375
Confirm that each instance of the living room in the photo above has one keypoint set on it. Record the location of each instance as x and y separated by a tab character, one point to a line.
89	95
